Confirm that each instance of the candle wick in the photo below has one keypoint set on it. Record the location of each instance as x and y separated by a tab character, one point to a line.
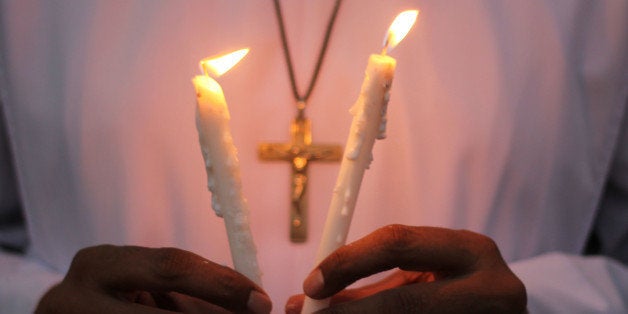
386	44
203	67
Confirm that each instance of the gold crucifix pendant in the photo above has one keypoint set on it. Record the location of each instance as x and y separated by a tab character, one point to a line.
299	152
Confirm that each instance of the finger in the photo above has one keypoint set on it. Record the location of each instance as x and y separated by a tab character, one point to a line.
168	269
397	279
409	248
294	304
407	299
468	295
64	298
173	301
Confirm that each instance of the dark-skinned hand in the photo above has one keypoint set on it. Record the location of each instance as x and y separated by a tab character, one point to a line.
440	271
129	279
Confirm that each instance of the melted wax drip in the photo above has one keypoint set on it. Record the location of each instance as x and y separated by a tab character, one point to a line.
345	207
382	125
339	239
211	182
354	152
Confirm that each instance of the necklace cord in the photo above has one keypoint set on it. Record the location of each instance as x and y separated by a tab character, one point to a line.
301	100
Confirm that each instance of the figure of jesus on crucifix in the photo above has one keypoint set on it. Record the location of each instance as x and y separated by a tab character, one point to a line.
300	151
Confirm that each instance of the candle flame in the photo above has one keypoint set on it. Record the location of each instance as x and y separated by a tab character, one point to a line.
399	29
218	65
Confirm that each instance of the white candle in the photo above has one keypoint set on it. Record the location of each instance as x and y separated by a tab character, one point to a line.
368	119
223	173
369	124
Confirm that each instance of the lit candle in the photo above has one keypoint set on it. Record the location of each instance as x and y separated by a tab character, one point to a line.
221	163
369	123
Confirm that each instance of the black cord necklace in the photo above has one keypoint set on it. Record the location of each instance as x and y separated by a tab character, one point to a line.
302	99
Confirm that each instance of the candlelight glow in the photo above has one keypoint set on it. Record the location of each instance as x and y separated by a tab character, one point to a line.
399	29
221	64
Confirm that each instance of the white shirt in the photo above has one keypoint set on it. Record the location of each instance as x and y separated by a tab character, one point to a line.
504	119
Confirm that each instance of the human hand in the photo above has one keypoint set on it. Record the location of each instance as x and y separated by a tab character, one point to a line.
441	271
130	279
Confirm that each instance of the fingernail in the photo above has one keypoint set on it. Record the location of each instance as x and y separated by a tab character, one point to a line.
259	303
314	283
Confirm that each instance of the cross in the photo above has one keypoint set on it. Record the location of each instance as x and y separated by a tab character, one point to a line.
299	152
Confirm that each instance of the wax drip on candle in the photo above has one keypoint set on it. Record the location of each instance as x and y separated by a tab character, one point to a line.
354	151
231	162
211	182
370	160
344	211
339	239
345	208
357	111
216	204
211	185
382	126
205	153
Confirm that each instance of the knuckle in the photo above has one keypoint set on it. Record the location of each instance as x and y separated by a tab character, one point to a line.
483	244
50	301
521	297
396	237
233	291
81	258
508	304
87	255
337	260
171	263
230	283
488	245
515	298
483	251
504	291
85	260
